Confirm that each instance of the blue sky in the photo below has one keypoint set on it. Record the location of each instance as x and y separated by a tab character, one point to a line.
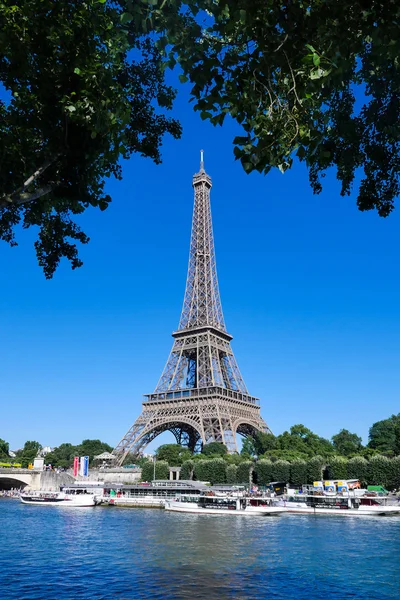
309	285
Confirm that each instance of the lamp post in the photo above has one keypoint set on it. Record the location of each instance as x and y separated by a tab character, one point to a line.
154	467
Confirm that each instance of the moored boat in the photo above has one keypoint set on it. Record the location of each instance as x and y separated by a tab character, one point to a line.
65	498
222	505
336	505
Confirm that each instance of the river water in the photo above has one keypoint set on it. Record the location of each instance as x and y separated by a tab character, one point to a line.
108	553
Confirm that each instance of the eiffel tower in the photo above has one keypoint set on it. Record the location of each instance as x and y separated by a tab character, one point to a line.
201	396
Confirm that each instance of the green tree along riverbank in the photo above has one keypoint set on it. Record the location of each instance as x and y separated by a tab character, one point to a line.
62	456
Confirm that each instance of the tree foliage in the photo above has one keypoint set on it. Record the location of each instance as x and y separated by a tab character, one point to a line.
298	472
231	474
244	472
379	470
214	449
63	455
92	448
314	468
248	446
346	443
187	470
357	468
147	471
263	471
316	81
281	471
4	449
212	470
157	470
394	482
384	435
84	82
337	467
173	454
28	453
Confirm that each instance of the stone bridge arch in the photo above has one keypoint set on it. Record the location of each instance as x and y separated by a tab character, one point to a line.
19	478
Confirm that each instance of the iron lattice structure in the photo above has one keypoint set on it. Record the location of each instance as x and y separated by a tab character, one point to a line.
201	396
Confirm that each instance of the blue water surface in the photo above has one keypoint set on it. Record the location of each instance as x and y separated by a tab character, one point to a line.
106	553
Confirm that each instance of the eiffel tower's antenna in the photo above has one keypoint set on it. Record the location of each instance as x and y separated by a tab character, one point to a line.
201	396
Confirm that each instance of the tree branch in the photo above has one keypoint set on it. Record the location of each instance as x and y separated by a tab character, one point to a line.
25	197
19	196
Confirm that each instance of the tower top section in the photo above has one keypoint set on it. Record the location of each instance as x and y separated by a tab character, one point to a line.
201	176
202	303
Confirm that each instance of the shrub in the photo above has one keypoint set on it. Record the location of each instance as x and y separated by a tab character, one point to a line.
244	472
218	467
281	471
187	470
162	470
298	472
231	474
202	471
337	467
357	468
314	468
394	482
379	468
213	470
263	470
147	471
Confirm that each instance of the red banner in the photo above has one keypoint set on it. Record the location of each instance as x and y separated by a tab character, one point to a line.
76	466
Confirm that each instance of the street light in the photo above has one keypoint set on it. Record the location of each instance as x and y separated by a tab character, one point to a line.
154	467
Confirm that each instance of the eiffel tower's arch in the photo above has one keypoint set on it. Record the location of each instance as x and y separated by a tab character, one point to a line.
201	395
186	432
248	428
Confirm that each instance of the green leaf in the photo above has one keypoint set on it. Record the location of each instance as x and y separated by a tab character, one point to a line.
247	166
301	153
126	18
77	71
317	73
243	16
183	78
71	108
241	140
316	60
313	50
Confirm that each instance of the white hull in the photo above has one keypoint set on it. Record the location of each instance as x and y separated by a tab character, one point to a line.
251	511
367	511
71	501
144	502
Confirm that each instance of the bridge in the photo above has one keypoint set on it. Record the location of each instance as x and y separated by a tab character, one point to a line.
16	478
33	478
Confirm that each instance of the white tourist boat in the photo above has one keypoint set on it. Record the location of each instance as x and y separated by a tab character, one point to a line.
68	497
222	505
335	505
